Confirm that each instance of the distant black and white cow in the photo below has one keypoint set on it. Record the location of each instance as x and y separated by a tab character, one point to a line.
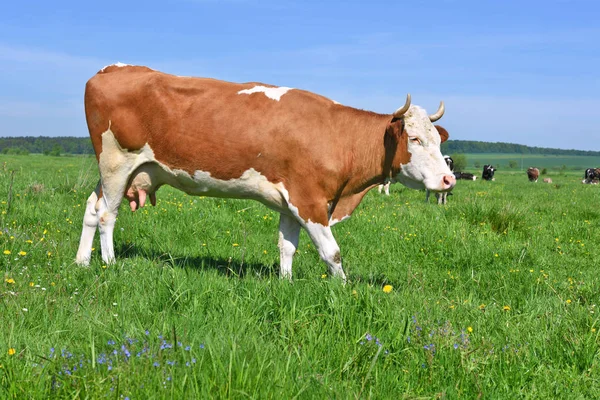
533	174
488	172
591	176
465	175
441	197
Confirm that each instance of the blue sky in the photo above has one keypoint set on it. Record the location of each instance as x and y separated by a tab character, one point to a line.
513	71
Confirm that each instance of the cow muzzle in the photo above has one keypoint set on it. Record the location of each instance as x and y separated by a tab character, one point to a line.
448	182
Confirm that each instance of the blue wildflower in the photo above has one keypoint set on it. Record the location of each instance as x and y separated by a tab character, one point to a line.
156	364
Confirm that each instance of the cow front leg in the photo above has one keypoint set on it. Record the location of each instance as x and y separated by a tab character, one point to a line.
289	234
327	247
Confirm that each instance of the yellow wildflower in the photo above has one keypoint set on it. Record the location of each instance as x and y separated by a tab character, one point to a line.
388	288
506	308
9	280
482	306
7	252
235	245
470	329
22	253
568	301
323	276
11	351
31	284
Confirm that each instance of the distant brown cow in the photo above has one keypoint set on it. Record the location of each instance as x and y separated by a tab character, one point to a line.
533	174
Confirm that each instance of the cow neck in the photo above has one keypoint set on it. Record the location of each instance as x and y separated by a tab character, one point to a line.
375	155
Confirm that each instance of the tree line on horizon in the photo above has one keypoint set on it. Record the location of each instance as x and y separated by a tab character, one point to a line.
82	145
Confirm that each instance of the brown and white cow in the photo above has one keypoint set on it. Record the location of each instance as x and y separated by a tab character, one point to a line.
533	174
299	153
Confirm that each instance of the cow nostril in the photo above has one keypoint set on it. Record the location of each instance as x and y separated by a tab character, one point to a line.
448	180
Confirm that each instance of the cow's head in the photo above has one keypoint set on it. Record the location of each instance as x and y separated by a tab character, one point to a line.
418	162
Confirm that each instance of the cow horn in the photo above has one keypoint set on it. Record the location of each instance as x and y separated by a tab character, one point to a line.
438	114
402	110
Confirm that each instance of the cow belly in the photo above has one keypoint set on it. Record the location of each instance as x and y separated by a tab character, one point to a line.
250	185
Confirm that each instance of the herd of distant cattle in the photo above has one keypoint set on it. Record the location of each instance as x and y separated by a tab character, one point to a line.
591	177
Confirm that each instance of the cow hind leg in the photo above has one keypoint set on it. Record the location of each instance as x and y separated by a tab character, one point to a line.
90	223
113	192
289	234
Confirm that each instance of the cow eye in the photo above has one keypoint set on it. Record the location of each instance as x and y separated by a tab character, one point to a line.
415	140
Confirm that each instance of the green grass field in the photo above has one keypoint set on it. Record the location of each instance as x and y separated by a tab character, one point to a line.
493	295
524	161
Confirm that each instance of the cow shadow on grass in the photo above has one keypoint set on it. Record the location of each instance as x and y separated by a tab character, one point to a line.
232	267
228	267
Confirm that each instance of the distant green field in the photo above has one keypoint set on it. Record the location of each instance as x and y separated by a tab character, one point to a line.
501	161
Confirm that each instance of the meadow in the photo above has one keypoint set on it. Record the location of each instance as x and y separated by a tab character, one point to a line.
552	162
494	295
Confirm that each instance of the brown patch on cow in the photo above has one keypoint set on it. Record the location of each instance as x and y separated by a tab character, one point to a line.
443	133
337	258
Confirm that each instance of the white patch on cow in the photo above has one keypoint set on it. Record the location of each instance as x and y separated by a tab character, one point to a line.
427	167
117	64
274	93
334	221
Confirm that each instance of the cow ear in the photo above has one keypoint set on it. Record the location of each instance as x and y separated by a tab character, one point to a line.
395	129
443	133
